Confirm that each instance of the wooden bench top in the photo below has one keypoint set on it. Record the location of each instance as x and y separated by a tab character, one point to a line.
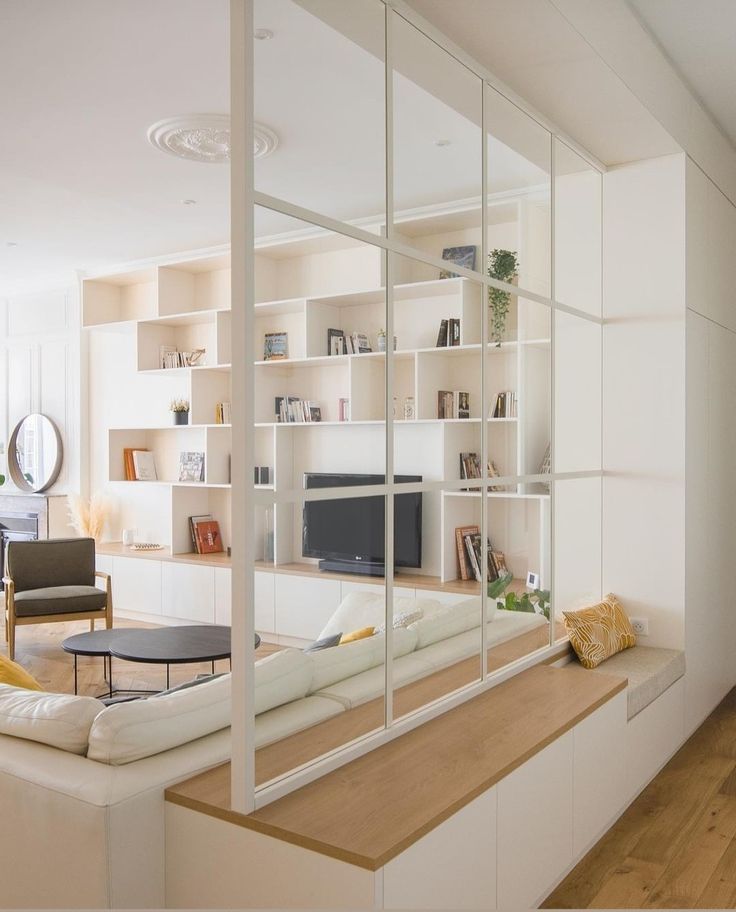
372	809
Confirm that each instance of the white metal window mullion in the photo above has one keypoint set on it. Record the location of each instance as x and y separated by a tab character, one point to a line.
552	386
484	316
243	501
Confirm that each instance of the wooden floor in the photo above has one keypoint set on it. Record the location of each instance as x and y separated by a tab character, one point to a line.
38	650
675	846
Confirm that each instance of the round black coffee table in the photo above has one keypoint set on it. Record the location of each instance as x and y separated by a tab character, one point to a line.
94	643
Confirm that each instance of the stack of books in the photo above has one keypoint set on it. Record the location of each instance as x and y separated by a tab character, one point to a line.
470	558
293	410
453	404
357	343
139	465
223	413
170	358
470	468
205	532
449	333
505	406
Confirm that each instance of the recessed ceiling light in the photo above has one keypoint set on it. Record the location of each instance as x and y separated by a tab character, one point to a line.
441	143
263	34
189	202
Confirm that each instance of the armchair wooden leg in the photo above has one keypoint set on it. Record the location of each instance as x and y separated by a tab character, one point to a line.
92	625
108	606
11	637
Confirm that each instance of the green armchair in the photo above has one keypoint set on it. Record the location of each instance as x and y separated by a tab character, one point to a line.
53	581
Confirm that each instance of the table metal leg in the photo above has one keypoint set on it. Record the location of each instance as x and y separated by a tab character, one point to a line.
75	674
109	676
167	675
213	666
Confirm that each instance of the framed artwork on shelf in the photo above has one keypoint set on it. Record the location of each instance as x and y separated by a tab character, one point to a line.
276	346
461	256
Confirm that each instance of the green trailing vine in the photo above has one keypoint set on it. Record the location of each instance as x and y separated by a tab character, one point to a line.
536	602
503	265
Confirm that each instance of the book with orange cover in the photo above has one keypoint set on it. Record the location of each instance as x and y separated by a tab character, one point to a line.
208	537
466	571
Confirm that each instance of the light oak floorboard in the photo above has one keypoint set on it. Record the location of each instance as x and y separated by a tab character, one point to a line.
675	846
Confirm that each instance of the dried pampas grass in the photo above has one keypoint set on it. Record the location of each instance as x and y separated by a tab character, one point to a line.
88	517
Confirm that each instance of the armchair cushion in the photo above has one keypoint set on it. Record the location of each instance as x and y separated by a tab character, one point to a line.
58	600
53	562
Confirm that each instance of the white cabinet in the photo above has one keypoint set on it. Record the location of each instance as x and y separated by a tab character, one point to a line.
265	618
304	605
223	596
188	592
103	563
136	585
535	825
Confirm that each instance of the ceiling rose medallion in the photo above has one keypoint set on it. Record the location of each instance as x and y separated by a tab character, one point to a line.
205	138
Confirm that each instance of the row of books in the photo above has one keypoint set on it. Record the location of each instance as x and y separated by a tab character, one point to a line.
170	358
470	557
223	413
449	333
139	465
505	405
341	343
205	532
470	467
453	404
293	410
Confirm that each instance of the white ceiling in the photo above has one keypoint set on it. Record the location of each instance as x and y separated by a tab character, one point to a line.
700	41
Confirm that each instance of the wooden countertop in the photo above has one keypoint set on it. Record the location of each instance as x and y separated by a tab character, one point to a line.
118	549
375	807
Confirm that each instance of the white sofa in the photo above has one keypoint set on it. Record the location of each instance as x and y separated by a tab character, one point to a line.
86	829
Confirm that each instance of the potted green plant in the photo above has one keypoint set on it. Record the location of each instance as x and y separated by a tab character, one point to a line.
180	411
535	602
503	265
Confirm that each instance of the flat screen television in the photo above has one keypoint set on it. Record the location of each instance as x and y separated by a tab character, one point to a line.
348	534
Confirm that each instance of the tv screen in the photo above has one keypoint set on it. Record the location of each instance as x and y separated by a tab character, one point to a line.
353	528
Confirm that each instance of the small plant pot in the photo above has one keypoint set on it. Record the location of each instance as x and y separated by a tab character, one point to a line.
181	417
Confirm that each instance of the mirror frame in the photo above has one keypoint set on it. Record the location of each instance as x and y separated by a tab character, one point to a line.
14	470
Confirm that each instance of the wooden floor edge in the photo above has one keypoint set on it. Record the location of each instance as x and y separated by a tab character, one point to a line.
374	863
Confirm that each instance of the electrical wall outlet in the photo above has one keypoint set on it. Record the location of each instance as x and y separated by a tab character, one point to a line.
641	626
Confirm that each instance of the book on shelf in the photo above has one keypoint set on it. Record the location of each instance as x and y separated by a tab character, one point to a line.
171	358
223	413
336	342
293	410
144	466
449	333
343	410
470	468
453	404
495	560
463	565
129	464
505	405
193	520
209	539
191	466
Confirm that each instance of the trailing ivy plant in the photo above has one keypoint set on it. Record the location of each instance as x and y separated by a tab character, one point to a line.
504	266
536	602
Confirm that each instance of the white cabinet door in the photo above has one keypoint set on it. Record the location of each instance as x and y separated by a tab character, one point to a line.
535	825
223	596
264	603
304	605
104	564
189	592
136	585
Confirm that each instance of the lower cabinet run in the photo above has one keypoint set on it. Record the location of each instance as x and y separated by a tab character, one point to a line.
506	849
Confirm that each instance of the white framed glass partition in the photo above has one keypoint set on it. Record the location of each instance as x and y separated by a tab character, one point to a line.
417	397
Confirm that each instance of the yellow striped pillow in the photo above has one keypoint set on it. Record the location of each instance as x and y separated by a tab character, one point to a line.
598	632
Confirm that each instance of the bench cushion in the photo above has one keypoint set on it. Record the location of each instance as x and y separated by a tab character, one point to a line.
650	672
59	600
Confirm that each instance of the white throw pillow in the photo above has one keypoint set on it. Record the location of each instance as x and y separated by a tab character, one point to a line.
125	732
281	678
341	662
451	621
60	720
367	609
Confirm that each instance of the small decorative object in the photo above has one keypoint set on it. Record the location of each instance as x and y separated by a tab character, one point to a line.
88	517
180	410
343	410
276	346
461	256
191	466
146	546
503	265
382	341
128	537
409	413
395	408
335	342
532	580
194	358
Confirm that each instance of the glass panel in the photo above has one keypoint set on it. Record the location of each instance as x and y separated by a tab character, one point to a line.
535	392
436	148
578	509
336	620
320	88
578	189
519	533
518	201
577	394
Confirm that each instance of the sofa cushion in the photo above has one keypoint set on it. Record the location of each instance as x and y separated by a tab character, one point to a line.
367	609
650	672
455	619
332	665
362	634
600	631
47	563
130	731
324	643
59	600
59	720
14	674
282	677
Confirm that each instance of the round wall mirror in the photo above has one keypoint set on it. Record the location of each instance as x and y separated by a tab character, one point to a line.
34	454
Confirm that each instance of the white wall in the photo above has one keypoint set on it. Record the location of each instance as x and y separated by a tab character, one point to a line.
644	393
40	369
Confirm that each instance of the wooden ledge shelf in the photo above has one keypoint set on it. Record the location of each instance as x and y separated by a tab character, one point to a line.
118	549
375	807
